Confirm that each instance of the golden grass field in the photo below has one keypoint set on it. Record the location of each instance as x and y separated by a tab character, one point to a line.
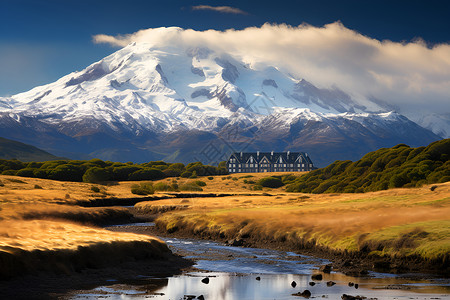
41	220
405	222
41	228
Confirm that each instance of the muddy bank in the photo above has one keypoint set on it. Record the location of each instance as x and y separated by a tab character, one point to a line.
130	201
349	263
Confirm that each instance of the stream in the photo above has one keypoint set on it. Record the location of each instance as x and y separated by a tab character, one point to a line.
228	273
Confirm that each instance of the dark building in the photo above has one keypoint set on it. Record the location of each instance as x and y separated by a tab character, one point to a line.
252	162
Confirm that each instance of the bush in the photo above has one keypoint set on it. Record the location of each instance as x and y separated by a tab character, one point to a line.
143	188
95	175
200	183
27	172
186	174
271	182
162	186
210	178
9	172
37	186
146	174
95	189
256	187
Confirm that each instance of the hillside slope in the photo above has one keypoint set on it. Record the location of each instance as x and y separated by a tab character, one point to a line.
399	166
10	149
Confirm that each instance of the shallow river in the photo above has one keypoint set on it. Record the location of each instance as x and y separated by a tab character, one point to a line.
250	273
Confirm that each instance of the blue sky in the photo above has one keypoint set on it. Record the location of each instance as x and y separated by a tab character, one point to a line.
41	41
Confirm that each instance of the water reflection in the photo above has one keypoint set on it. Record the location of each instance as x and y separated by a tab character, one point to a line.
226	286
232	273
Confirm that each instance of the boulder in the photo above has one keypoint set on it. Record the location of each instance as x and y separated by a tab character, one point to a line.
331	283
325	268
205	280
305	294
317	277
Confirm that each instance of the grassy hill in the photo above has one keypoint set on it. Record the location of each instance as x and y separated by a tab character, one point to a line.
10	149
399	166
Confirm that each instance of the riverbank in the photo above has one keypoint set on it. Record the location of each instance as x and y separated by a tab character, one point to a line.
49	244
398	230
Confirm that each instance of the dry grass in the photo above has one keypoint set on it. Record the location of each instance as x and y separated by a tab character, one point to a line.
31	247
372	222
38	233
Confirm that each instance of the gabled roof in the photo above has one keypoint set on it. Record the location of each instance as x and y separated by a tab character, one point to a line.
272	157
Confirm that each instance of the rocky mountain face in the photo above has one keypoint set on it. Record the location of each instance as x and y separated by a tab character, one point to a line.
148	103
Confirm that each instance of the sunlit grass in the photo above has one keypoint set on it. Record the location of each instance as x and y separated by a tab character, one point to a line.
372	222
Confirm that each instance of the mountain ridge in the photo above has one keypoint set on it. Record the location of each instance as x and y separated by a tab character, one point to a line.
145	97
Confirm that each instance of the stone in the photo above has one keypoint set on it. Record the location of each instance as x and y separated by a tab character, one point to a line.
317	277
331	283
205	280
325	268
293	284
305	294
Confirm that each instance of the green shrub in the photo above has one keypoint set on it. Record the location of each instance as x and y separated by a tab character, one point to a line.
95	189
162	186
186	174
146	174
200	183
256	187
271	182
144	188
37	186
26	172
210	178
95	175
9	172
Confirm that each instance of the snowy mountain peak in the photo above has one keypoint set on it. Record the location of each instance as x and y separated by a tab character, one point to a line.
144	91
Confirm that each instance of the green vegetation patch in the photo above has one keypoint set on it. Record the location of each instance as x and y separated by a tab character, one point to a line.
399	166
98	171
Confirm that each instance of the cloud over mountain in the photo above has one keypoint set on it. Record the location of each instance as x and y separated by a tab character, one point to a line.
408	75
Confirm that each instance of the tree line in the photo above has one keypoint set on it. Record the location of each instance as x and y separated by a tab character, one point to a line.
96	170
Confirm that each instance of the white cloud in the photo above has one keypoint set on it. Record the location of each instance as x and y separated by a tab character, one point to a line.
221	9
408	75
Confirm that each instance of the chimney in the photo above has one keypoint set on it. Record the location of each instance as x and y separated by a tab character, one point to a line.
257	153
241	155
287	155
271	153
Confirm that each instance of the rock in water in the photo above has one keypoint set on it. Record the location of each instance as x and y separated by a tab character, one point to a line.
331	283
205	280
293	284
325	269
317	277
305	294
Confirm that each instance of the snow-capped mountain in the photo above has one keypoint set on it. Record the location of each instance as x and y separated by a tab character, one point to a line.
146	102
